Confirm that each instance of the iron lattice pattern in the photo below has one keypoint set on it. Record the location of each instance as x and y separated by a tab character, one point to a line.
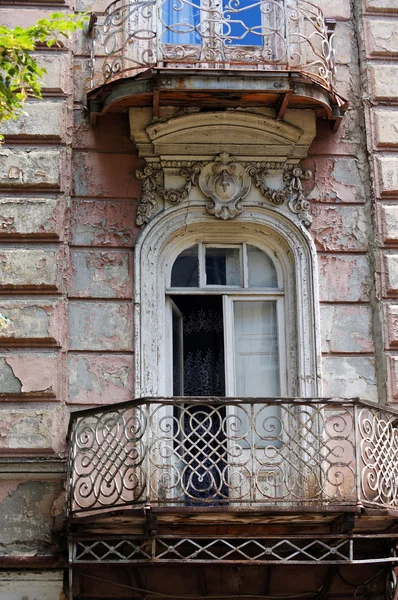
138	34
330	550
378	438
233	453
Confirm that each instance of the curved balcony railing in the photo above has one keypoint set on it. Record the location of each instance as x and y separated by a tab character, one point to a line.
282	35
233	453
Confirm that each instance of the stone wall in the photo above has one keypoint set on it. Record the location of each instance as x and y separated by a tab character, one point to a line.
68	196
378	37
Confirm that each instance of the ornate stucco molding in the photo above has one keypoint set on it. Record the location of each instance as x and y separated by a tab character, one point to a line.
226	182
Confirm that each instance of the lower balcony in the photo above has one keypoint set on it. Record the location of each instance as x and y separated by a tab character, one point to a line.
234	455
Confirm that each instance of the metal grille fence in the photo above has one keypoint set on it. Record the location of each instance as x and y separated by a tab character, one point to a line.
235	453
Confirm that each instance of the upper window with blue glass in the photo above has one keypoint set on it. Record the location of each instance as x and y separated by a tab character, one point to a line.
217	25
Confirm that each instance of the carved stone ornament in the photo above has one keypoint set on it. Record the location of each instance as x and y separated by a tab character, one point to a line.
227	183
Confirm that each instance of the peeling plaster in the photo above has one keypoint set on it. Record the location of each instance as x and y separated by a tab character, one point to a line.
34	373
103	223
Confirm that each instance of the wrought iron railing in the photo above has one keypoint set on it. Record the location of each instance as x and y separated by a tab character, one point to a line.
233	453
287	35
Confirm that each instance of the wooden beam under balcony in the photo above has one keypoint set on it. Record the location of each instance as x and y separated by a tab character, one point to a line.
217	89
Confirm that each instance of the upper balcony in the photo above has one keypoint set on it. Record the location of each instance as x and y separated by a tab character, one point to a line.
227	455
212	52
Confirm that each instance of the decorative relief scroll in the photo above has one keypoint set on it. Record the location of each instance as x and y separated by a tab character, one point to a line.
226	182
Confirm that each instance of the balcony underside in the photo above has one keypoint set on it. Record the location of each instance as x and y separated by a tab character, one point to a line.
230	581
318	477
198	554
216	89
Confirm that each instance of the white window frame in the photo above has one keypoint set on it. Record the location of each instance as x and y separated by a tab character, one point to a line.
169	233
229	338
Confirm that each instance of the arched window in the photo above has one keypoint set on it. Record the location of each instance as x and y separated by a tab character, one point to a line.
248	285
227	315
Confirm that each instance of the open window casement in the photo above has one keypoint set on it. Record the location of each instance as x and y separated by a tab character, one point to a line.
225	313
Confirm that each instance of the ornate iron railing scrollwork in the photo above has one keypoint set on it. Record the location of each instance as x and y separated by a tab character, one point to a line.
261	453
281	34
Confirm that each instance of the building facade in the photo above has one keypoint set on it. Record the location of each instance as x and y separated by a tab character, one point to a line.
199	279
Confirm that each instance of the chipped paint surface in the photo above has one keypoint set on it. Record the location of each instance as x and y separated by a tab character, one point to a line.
335	180
36	321
103	223
36	373
101	274
29	268
337	228
100	326
345	377
31	217
100	379
344	278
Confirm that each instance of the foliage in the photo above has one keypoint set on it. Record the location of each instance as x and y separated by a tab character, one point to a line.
20	73
4	322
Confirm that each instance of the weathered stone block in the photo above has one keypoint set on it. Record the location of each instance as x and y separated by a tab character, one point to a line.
31	217
28	16
384	80
109	175
30	168
386	127
101	274
27	429
339	227
391	313
391	274
32	269
344	278
343	43
32	374
45	119
100	379
91	5
100	326
349	376
34	323
340	9
388	175
103	223
82	78
392	377
56	78
334	180
346	329
15	585
382	37
389	223
382	6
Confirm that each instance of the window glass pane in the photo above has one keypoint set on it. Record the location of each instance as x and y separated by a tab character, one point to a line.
243	23
180	20
185	272
223	266
262	272
256	348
